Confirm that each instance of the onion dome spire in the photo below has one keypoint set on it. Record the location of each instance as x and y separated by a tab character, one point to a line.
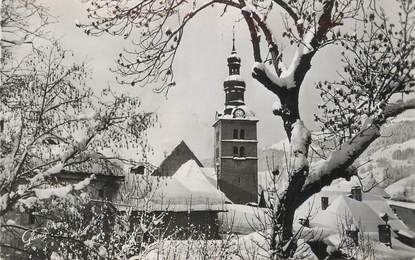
234	85
234	61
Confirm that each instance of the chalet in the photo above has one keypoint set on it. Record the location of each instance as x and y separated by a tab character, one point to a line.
109	177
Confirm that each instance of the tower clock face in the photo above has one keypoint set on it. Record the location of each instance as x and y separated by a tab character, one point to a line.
239	113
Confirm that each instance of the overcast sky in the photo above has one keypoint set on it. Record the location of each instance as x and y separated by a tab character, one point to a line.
188	111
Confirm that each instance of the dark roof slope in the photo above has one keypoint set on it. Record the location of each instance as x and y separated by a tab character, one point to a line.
175	159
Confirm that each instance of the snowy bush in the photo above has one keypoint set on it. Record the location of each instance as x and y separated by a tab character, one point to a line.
45	131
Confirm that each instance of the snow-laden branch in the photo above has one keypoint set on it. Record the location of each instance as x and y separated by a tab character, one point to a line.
339	163
287	79
72	149
300	141
292	77
62	191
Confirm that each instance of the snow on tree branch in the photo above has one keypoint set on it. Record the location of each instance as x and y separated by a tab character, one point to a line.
63	191
310	39
53	124
150	61
287	78
377	65
339	163
377	61
300	142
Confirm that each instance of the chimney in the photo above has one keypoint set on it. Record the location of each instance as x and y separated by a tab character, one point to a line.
385	234
324	202
356	193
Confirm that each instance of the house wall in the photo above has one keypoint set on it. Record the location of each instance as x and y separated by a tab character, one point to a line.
102	188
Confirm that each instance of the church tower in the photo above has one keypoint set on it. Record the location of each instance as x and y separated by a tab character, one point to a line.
235	155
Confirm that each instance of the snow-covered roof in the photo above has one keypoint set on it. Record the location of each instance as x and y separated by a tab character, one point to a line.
234	57
187	190
402	204
234	77
381	207
210	174
344	208
249	114
99	167
376	203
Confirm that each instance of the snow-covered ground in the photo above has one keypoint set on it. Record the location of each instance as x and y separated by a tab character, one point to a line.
251	246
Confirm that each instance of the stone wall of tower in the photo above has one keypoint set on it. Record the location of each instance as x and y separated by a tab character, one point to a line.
239	180
238	175
248	125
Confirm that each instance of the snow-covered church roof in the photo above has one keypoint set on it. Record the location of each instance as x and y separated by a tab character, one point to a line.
187	189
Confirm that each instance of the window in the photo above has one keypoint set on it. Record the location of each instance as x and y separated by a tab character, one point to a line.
235	133
235	151
217	136
31	218
242	134
242	151
217	152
